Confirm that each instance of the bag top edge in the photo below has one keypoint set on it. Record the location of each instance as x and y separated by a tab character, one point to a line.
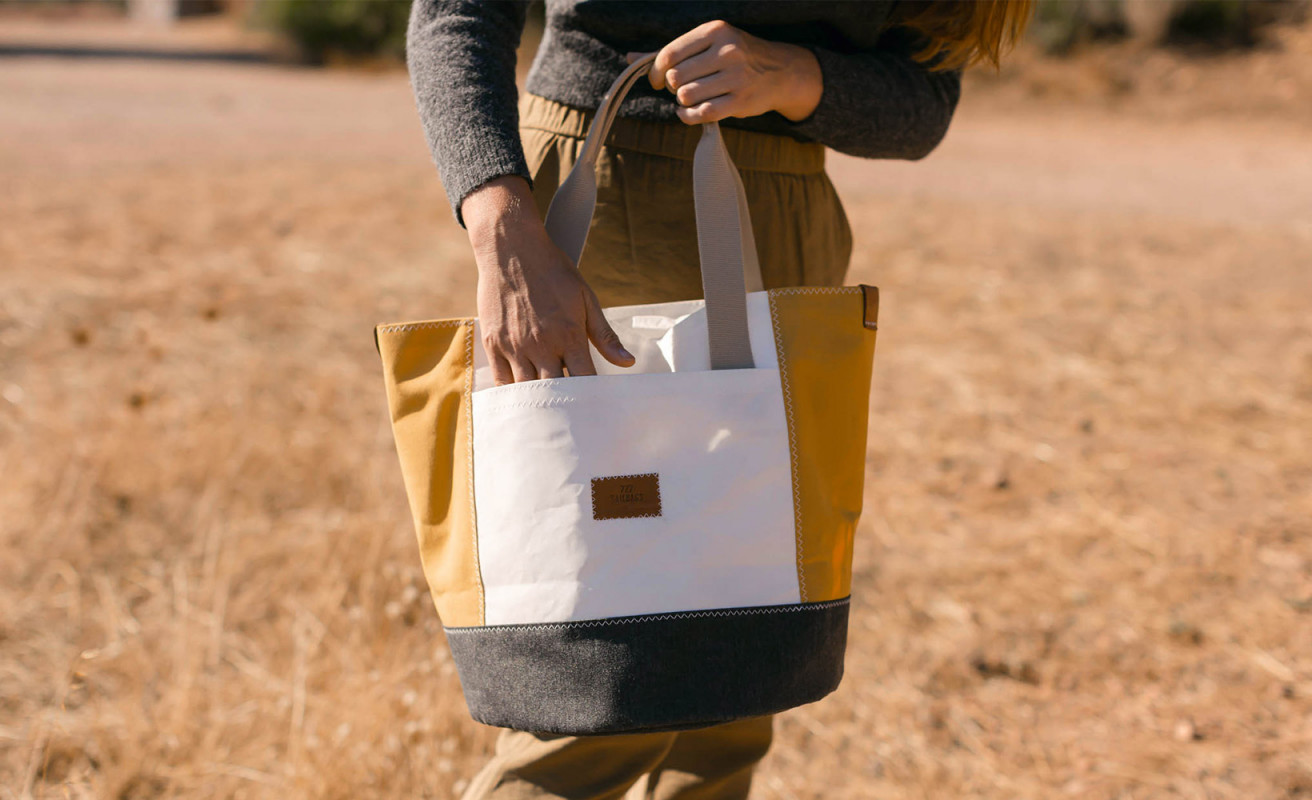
405	327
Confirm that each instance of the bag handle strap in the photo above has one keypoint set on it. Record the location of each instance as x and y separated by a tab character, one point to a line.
725	242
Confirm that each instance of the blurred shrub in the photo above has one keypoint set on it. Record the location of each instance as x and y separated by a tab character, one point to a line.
1060	25
325	30
1221	23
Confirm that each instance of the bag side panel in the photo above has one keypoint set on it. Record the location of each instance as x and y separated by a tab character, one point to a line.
428	368
825	359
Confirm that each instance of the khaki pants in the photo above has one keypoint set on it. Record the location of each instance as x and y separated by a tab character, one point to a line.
708	764
642	248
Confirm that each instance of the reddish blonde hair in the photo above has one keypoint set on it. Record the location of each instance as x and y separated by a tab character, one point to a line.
965	32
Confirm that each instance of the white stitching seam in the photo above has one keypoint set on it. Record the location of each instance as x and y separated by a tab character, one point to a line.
816	290
417	326
792	442
548	402
469	426
645	618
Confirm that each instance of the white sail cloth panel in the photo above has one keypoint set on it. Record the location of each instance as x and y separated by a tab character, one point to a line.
717	442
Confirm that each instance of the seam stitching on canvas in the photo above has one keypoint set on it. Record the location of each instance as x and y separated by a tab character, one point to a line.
416	326
816	290
493	405
469	425
792	445
643	618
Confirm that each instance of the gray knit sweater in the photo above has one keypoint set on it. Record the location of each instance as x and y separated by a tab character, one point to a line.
877	102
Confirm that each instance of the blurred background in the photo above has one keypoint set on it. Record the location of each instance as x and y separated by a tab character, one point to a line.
1085	566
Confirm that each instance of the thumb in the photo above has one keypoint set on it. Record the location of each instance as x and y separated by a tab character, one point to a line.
603	336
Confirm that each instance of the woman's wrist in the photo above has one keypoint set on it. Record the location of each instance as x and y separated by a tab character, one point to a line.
798	95
501	204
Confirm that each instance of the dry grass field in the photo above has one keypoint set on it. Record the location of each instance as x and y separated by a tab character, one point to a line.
1085	569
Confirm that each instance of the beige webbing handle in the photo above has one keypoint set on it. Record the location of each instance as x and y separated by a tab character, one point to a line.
724	228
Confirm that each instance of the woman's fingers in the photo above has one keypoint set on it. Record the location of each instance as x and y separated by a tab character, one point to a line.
709	111
707	88
695	41
523	369
579	362
501	373
603	336
515	370
550	370
699	66
719	71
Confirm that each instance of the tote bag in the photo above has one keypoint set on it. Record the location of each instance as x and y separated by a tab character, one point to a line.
660	547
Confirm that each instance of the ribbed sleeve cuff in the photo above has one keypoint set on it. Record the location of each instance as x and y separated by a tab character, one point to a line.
834	112
880	105
486	164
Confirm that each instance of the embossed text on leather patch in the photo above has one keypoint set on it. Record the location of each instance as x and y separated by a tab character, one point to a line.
626	496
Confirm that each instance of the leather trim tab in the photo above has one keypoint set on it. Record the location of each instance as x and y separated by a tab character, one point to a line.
870	307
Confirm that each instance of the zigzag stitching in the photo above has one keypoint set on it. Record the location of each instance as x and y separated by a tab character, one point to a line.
469	426
417	326
493	405
792	446
724	612
816	290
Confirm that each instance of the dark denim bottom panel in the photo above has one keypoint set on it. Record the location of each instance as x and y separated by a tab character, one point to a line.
654	672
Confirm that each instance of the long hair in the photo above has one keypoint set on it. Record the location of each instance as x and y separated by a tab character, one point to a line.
960	33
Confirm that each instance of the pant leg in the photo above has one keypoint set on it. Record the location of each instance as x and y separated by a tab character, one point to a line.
528	766
712	764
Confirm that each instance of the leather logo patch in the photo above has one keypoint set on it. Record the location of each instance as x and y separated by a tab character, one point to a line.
626	496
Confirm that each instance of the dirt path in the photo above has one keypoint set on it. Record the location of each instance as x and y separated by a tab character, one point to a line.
1209	171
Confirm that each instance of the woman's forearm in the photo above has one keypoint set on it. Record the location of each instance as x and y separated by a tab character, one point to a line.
801	84
461	55
882	104
875	104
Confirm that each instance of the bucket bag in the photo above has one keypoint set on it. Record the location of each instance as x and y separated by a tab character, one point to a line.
661	547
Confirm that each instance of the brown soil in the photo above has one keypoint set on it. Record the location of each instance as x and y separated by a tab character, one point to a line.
1085	568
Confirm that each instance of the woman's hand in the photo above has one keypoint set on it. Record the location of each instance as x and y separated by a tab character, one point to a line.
717	71
536	312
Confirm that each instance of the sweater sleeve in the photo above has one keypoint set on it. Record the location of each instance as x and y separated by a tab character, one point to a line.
882	103
461	56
